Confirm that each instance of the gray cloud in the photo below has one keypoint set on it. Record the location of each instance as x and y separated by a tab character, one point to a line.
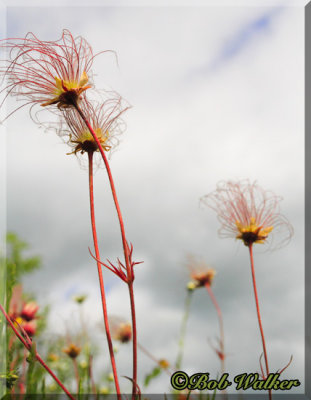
182	137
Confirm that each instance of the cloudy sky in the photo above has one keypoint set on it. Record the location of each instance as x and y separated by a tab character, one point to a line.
217	93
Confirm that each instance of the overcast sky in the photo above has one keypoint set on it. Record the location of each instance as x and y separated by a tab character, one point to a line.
217	93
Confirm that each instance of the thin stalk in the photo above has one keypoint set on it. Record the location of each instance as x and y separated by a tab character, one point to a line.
91	374
76	370
258	314
24	369
100	276
148	354
38	358
183	329
134	332
125	247
221	326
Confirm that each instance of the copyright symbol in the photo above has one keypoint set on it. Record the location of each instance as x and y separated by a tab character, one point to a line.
179	380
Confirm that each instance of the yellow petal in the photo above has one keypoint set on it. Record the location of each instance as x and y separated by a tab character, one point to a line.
84	79
49	102
266	231
58	83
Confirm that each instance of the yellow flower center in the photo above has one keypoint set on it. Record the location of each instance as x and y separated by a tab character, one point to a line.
86	143
67	93
252	233
63	86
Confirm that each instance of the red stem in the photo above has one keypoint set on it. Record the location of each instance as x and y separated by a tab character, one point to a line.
100	275
125	247
258	313
221	325
28	347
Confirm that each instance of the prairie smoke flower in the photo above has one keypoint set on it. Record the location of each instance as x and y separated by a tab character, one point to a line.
163	363
120	330
249	213
203	277
80	298
30	327
72	350
124	333
29	311
200	273
104	119
47	72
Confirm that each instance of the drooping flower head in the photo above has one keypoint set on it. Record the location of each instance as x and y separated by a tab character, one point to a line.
47	72
249	213
72	350
23	314
120	329
29	311
104	118
201	274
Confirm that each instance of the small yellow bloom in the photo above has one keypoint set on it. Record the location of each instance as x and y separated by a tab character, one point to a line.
191	285
85	142
252	233
164	363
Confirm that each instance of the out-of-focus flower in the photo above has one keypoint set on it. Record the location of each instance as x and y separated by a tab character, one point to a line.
29	310
104	117
80	299
203	277
47	72
124	333
72	350
110	377
104	390
30	327
249	213
201	274
52	357
164	363
191	286
24	314
9	379
83	364
120	330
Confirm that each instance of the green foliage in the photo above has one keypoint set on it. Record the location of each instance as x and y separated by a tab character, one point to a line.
9	379
31	379
154	373
17	264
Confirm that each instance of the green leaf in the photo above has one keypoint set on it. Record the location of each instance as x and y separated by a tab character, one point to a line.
154	373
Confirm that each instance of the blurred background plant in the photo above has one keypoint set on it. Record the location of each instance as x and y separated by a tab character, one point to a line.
70	355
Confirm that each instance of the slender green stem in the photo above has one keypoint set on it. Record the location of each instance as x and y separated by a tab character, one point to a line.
258	314
76	370
183	328
100	276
